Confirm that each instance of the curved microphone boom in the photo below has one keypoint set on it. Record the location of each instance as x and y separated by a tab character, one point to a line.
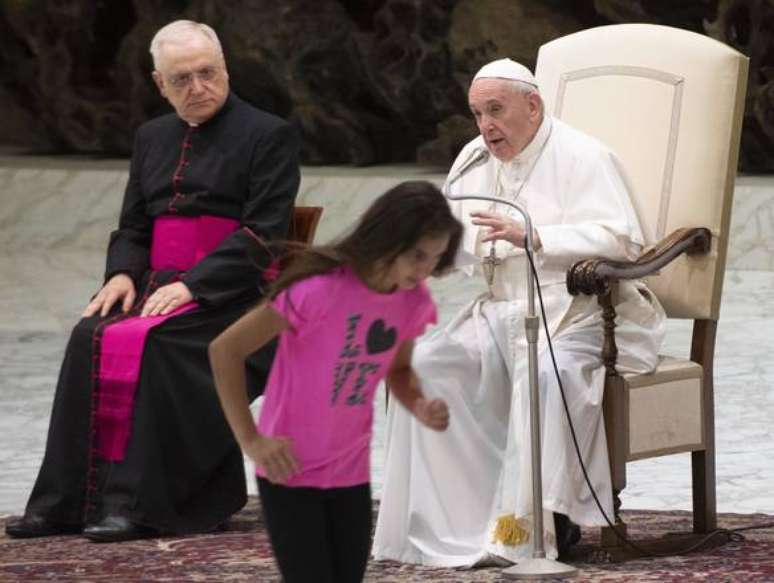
528	243
496	199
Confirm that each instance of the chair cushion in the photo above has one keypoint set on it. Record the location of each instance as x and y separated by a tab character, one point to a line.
665	409
668	369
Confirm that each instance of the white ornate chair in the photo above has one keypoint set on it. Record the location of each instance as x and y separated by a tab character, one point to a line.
669	103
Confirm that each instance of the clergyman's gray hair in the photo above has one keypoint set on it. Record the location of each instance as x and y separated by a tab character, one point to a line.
174	31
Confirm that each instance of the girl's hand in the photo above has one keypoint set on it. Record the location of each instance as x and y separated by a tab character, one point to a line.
433	414
275	456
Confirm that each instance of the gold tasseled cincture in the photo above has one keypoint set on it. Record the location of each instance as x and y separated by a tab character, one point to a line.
511	531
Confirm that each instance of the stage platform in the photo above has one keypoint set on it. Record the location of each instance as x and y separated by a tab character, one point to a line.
55	217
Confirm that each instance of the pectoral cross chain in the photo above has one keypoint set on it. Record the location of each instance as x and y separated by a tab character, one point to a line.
489	263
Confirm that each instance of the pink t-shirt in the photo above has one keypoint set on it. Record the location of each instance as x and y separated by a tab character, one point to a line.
341	341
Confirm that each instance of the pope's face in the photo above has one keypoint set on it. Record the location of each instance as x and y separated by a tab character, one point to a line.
507	119
192	76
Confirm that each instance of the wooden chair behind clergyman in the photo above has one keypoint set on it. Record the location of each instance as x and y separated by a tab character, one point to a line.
669	102
302	228
303	224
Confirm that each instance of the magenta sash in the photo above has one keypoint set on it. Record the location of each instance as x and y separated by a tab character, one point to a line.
178	243
181	242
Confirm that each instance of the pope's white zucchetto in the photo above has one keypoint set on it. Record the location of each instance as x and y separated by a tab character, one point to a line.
506	69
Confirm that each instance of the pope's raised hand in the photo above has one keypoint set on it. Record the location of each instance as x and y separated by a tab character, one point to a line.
503	227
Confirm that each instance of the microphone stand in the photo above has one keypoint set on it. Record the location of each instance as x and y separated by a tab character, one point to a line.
538	566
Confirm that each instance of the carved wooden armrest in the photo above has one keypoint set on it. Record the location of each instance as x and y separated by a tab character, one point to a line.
594	276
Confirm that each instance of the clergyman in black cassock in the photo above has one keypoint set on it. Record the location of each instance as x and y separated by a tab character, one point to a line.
181	470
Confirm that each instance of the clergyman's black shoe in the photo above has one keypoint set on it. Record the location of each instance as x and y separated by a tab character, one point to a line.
115	528
34	525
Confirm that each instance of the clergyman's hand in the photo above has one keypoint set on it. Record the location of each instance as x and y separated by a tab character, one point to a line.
120	287
275	456
167	298
433	413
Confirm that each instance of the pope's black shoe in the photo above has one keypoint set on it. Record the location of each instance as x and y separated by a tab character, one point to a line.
567	534
114	528
34	525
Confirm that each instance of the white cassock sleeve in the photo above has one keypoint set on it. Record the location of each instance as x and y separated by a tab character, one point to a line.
599	219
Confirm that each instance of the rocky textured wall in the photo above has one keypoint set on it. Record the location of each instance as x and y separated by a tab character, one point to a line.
366	81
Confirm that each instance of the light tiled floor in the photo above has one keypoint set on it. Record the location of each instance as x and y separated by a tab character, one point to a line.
29	362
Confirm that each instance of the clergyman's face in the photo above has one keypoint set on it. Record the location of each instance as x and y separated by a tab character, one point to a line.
507	119
192	76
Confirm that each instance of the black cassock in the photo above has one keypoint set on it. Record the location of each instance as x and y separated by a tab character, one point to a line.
183	471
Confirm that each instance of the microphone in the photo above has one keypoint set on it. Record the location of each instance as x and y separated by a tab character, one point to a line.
478	156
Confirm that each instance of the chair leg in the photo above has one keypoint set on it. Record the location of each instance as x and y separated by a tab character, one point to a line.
614	406
704	503
703	462
608	537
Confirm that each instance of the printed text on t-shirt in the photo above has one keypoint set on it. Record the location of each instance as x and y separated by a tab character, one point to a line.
379	338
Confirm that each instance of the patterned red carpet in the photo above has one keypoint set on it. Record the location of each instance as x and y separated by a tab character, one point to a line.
243	554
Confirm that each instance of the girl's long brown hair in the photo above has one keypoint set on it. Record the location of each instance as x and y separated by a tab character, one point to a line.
392	225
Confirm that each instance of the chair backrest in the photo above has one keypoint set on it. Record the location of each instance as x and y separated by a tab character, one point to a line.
669	102
303	223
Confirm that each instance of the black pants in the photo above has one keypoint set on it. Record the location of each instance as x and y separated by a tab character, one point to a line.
318	535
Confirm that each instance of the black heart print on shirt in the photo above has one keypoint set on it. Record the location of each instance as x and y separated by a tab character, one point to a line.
380	339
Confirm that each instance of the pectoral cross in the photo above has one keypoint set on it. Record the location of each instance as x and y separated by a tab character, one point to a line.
489	263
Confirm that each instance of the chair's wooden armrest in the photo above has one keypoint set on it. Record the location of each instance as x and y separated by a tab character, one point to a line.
594	276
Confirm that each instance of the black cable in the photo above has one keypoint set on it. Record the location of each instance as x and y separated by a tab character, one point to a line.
753	527
731	533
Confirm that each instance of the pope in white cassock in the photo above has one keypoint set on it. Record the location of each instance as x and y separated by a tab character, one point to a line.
464	497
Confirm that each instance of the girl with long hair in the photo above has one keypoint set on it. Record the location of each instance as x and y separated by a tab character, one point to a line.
346	315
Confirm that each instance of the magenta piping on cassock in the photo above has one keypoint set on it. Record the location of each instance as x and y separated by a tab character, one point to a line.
178	243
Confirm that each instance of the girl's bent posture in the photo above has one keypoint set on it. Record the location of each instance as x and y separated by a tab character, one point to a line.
347	316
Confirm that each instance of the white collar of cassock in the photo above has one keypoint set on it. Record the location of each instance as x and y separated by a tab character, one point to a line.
516	168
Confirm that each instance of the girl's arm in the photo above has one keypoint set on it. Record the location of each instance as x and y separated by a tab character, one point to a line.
228	353
404	385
